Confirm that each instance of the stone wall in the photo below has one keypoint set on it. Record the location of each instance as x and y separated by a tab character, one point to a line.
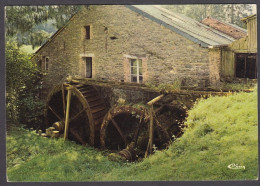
114	95
215	66
117	33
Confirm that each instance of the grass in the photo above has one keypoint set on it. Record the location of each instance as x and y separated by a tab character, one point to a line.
220	131
34	158
237	86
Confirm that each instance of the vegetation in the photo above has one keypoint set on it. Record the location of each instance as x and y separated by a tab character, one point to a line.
237	86
22	87
33	25
220	131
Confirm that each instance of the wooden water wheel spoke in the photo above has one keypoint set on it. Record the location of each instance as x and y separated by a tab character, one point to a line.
84	114
77	115
119	131
135	126
77	136
55	114
137	131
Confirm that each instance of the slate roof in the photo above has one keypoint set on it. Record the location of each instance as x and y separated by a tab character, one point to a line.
185	26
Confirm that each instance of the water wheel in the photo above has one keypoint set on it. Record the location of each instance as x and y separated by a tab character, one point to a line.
125	130
86	113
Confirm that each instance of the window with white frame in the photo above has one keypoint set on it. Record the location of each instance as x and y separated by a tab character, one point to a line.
136	70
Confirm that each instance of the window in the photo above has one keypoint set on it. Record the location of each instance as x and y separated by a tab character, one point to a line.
246	66
46	62
136	70
87	32
88	67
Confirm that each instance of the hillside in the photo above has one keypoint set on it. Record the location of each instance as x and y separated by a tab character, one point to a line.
221	132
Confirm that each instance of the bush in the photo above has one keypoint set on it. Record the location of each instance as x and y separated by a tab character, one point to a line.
23	81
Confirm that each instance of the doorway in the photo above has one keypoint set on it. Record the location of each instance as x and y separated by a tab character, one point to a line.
88	67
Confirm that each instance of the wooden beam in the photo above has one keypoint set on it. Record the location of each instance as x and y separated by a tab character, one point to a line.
63	100
155	100
80	112
55	114
67	113
137	132
75	134
149	148
119	130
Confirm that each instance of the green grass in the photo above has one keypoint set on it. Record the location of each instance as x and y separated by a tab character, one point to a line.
221	131
34	158
237	86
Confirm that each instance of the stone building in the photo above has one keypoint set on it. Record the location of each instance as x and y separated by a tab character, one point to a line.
132	43
237	62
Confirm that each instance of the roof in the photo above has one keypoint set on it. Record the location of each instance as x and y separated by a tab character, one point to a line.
185	26
232	30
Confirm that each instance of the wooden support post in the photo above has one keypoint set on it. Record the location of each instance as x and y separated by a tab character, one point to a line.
149	149
151	130
63	100
67	113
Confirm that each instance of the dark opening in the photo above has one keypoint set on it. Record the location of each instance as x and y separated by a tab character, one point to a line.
46	63
87	29
88	67
246	66
113	38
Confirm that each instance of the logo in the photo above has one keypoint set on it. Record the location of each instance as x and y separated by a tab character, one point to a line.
236	166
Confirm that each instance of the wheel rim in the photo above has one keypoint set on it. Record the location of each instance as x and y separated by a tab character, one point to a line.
87	110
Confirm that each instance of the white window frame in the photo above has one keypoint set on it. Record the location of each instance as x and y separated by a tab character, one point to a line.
137	70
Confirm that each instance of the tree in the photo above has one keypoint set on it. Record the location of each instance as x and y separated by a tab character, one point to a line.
23	21
22	86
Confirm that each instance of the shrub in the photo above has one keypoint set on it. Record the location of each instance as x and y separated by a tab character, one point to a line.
22	87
